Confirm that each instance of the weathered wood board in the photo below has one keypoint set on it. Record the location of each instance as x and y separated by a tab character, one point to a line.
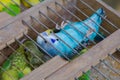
46	69
10	32
3	18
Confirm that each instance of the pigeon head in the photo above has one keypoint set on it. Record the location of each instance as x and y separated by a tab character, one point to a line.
101	12
48	37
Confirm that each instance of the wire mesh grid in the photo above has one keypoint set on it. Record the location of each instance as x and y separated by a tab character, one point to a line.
36	26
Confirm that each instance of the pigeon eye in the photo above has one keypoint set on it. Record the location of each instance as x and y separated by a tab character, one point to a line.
25	50
50	31
57	39
45	41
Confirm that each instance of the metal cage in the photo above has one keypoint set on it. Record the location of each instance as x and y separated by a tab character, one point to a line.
48	14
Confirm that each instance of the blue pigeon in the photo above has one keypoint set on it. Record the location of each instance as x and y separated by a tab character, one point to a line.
69	34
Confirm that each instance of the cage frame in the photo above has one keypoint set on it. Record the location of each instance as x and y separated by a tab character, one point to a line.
56	73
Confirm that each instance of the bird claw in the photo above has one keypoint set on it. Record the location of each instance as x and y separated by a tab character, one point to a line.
63	24
89	33
57	27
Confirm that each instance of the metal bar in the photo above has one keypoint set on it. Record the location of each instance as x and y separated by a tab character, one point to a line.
18	5
95	68
30	26
103	61
28	2
98	14
43	25
88	75
67	22
18	52
114	58
76	78
29	50
63	20
78	18
8	8
89	18
75	51
38	45
64	31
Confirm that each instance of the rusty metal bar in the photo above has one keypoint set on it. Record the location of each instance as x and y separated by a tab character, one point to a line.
68	33
18	5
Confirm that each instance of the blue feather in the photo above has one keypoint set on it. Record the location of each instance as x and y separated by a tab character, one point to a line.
74	37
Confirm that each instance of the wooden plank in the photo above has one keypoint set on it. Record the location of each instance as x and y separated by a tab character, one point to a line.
6	34
4	17
10	32
90	58
46	69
